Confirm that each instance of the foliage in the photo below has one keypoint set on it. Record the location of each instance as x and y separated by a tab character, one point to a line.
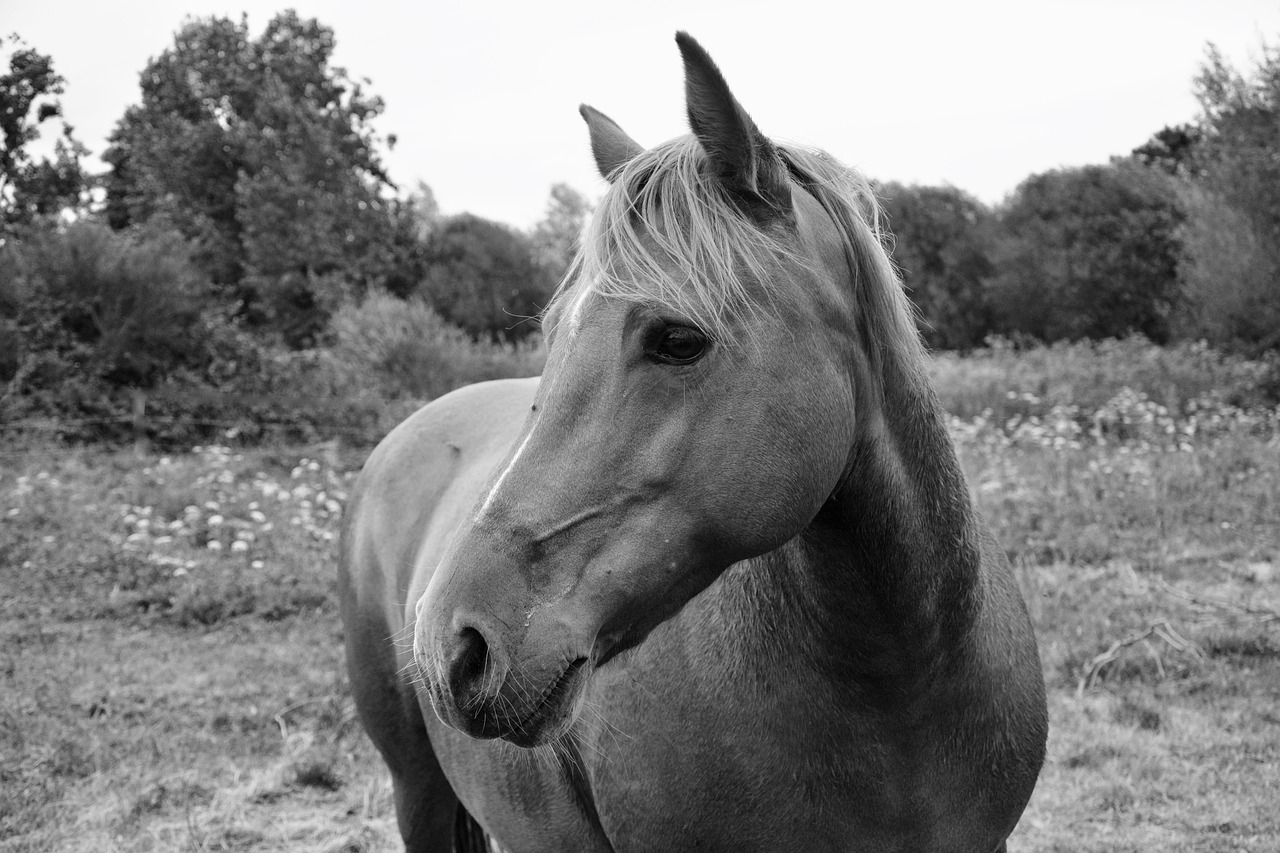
1228	274
409	351
1088	252
1232	237
263	154
556	237
1174	150
484	277
95	317
33	191
88	304
942	245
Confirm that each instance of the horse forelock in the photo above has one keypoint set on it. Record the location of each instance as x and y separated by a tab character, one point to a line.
670	234
667	233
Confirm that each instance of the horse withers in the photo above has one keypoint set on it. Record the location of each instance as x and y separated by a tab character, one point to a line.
715	580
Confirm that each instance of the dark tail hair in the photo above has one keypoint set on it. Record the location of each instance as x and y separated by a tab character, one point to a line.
468	837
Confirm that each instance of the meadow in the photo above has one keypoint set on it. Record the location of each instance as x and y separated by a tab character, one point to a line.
170	654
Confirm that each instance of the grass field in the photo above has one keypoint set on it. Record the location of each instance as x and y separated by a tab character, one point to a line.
170	665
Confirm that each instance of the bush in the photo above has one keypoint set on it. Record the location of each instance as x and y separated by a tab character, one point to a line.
411	352
120	307
95	322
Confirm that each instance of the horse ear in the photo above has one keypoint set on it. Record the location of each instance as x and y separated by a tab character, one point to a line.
610	144
741	155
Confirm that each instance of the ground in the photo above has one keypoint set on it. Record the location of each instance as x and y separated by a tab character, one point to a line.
171	674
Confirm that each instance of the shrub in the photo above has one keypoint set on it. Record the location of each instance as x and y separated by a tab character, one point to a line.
411	352
120	307
101	322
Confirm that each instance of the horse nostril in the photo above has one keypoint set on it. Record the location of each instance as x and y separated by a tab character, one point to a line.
468	664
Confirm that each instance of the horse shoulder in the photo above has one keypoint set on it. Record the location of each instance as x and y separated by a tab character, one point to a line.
417	486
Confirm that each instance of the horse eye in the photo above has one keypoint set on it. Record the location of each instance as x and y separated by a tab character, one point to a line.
679	345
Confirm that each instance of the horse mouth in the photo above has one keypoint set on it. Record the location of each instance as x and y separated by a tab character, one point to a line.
531	726
554	708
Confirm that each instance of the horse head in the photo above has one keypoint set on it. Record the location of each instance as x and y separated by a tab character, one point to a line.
697	410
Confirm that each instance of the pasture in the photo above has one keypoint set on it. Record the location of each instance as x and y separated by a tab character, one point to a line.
170	654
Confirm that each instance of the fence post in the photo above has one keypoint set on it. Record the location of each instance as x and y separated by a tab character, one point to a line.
139	422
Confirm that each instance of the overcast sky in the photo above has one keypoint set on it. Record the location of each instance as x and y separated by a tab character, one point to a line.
483	96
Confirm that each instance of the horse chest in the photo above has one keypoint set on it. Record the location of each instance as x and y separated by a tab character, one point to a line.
683	752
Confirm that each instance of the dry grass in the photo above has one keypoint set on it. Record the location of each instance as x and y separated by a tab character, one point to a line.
162	694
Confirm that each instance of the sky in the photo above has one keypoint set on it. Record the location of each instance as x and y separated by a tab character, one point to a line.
483	96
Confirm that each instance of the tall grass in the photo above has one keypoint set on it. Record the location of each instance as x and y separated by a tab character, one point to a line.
1012	381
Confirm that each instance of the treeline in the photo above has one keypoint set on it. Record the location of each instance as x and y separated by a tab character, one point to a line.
1178	240
245	260
245	264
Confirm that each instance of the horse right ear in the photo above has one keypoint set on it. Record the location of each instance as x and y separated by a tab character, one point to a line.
610	144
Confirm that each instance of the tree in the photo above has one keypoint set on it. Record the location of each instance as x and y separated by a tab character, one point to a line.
556	237
1232	271
484	277
32	190
262	153
1089	252
942	245
1175	150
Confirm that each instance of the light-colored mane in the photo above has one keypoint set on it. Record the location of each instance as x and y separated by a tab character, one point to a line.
669	233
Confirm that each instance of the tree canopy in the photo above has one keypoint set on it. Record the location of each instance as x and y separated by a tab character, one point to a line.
555	238
942	245
486	278
263	154
1232	237
34	189
1088	252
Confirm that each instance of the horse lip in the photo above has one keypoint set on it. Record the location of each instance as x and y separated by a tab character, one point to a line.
527	732
487	723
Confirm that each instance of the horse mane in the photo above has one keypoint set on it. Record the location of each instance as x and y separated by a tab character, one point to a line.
668	232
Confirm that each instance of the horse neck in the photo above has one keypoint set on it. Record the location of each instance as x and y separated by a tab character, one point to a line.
887	575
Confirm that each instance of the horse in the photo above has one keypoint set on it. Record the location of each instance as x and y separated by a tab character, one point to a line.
715	580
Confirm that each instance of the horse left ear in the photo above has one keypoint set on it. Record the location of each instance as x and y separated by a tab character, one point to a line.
610	144
740	154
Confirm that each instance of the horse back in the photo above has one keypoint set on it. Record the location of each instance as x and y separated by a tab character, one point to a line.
414	490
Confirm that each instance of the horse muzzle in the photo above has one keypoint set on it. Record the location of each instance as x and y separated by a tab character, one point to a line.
478	689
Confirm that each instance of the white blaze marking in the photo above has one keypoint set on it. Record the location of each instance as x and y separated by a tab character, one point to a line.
505	471
575	310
